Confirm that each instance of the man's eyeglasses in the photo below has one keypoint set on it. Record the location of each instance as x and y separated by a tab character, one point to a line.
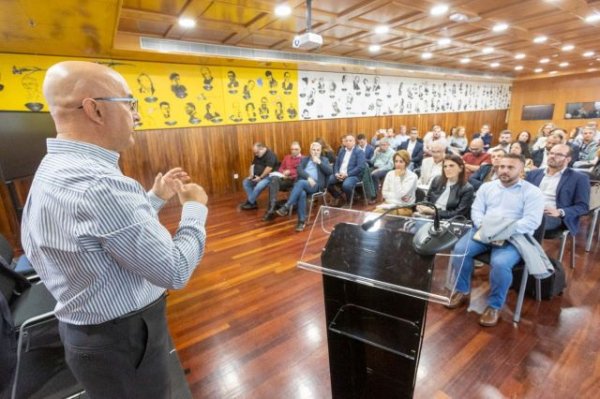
133	102
557	154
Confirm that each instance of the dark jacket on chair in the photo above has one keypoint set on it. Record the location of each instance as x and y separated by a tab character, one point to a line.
356	164
572	195
460	199
324	170
417	155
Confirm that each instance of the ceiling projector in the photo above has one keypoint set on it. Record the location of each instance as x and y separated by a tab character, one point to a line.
307	41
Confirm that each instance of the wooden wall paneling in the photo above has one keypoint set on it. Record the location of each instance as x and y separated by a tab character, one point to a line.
558	91
212	154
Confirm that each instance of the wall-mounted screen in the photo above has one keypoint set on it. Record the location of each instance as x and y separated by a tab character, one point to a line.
23	142
537	112
588	110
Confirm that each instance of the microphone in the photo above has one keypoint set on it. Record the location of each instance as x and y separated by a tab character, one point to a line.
429	240
370	223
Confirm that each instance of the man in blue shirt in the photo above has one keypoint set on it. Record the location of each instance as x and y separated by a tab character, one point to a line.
507	197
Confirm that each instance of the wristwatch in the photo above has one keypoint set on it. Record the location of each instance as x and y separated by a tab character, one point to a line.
562	213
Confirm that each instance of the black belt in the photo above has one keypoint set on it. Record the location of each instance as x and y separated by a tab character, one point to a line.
140	311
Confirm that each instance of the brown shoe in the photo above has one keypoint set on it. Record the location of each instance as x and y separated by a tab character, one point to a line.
457	300
489	317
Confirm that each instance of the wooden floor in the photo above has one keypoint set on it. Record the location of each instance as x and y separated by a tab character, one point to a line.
250	324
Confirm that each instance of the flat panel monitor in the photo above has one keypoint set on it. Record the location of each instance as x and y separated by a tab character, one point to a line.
537	112
23	142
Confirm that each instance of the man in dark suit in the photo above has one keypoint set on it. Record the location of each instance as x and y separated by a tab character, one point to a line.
347	171
557	136
566	191
414	147
365	147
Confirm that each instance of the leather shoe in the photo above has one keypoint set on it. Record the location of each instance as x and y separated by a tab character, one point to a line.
300	226
489	317
457	300
269	216
283	211
248	206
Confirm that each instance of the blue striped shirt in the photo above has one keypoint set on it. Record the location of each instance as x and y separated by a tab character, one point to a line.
94	237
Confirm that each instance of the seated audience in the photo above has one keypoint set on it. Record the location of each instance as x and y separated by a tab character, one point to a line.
458	140
432	166
399	186
264	162
508	203
566	191
520	148
285	179
365	147
379	134
326	150
543	133
505	141
436	135
347	171
414	148
382	161
475	157
524	137
450	192
485	135
399	138
313	172
540	156
489	171
587	149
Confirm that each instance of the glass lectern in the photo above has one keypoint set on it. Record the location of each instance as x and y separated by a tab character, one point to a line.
376	290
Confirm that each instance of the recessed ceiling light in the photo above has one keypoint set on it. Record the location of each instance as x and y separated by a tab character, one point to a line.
487	50
382	29
591	69
500	27
538	70
465	60
519	56
439	9
372	68
374	48
567	47
593	17
458	17
426	55
283	10
553	72
563	64
519	68
495	64
187	22
444	41
588	54
540	39
544	60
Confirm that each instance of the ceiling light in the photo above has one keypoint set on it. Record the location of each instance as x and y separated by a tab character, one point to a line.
458	17
538	70
495	64
540	39
519	56
382	29
500	27
567	47
487	50
283	10
591	69
563	64
426	55
593	17
588	54
553	72
374	48
187	22
444	41
372	68
465	60
544	60
519	68
439	9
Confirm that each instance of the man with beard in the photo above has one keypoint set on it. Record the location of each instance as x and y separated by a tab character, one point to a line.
510	198
488	171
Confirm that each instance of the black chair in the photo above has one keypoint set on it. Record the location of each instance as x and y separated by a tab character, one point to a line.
563	234
21	264
484	257
420	195
40	370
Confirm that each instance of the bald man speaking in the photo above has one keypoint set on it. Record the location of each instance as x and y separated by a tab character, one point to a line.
94	237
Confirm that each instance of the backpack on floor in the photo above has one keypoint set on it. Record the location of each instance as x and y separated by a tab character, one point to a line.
551	286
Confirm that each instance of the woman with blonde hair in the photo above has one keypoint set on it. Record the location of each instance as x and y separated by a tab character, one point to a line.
399	186
543	133
458	140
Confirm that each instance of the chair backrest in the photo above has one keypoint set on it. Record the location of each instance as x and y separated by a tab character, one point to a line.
12	284
594	194
6	250
420	195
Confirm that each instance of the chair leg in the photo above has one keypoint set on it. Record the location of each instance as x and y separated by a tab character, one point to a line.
573	252
365	196
591	230
538	290
563	244
310	206
517	315
352	198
